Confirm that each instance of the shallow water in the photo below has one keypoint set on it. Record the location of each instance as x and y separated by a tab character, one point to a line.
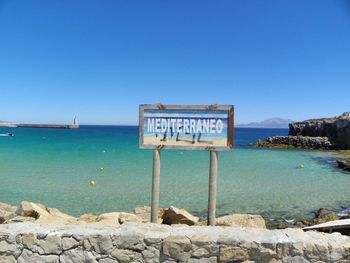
55	167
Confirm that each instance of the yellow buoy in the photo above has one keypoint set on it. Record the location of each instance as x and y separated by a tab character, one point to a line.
301	166
92	183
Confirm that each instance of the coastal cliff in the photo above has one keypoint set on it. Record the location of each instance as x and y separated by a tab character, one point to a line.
325	134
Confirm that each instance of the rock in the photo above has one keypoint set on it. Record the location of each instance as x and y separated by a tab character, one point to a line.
87	218
326	134
111	219
101	244
124	255
344	164
233	254
304	142
144	212
7	259
322	212
41	214
6	212
69	243
77	255
323	215
177	247
126	217
117	218
51	244
241	220
174	215
337	129
18	219
28	256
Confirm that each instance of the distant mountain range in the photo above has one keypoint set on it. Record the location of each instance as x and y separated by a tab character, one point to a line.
268	123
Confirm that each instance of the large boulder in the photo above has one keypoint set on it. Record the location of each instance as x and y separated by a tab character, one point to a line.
87	218
6	212
174	215
111	219
117	218
241	220
144	213
42	214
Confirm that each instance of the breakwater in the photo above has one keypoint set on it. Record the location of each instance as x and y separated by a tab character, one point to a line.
136	242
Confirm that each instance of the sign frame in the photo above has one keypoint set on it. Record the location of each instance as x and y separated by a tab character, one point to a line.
230	126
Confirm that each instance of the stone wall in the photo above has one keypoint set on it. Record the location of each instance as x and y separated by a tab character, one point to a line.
137	242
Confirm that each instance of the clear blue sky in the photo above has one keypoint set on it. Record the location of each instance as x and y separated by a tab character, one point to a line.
100	59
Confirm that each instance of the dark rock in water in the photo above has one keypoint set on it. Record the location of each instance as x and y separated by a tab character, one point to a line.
320	143
322	134
322	212
344	164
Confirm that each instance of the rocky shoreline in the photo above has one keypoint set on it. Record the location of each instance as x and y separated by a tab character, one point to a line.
38	213
326	134
330	134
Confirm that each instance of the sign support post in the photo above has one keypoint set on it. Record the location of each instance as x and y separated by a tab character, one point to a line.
213	172
155	185
186	127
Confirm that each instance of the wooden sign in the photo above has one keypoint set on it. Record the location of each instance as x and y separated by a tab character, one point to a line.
186	127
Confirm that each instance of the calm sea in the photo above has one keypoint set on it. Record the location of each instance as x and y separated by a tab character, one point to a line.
55	167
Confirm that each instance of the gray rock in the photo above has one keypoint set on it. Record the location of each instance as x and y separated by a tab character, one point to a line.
77	255
7	259
177	247
51	244
9	248
125	255
69	243
203	260
101	244
107	260
28	256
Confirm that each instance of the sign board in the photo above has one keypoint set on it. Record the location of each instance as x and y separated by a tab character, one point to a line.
186	127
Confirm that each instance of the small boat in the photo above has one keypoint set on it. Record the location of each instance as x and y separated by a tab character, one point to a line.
7	134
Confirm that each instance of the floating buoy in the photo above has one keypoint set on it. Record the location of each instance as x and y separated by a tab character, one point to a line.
301	166
92	183
101	169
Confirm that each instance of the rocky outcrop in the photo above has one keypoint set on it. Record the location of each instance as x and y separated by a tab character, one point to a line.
324	134
319	143
241	220
137	242
336	129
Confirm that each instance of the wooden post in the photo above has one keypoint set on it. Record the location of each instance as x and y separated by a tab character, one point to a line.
155	186
213	171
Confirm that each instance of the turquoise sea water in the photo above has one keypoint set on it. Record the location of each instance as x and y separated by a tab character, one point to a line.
55	167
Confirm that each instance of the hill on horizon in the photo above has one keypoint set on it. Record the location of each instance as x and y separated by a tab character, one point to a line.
268	123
